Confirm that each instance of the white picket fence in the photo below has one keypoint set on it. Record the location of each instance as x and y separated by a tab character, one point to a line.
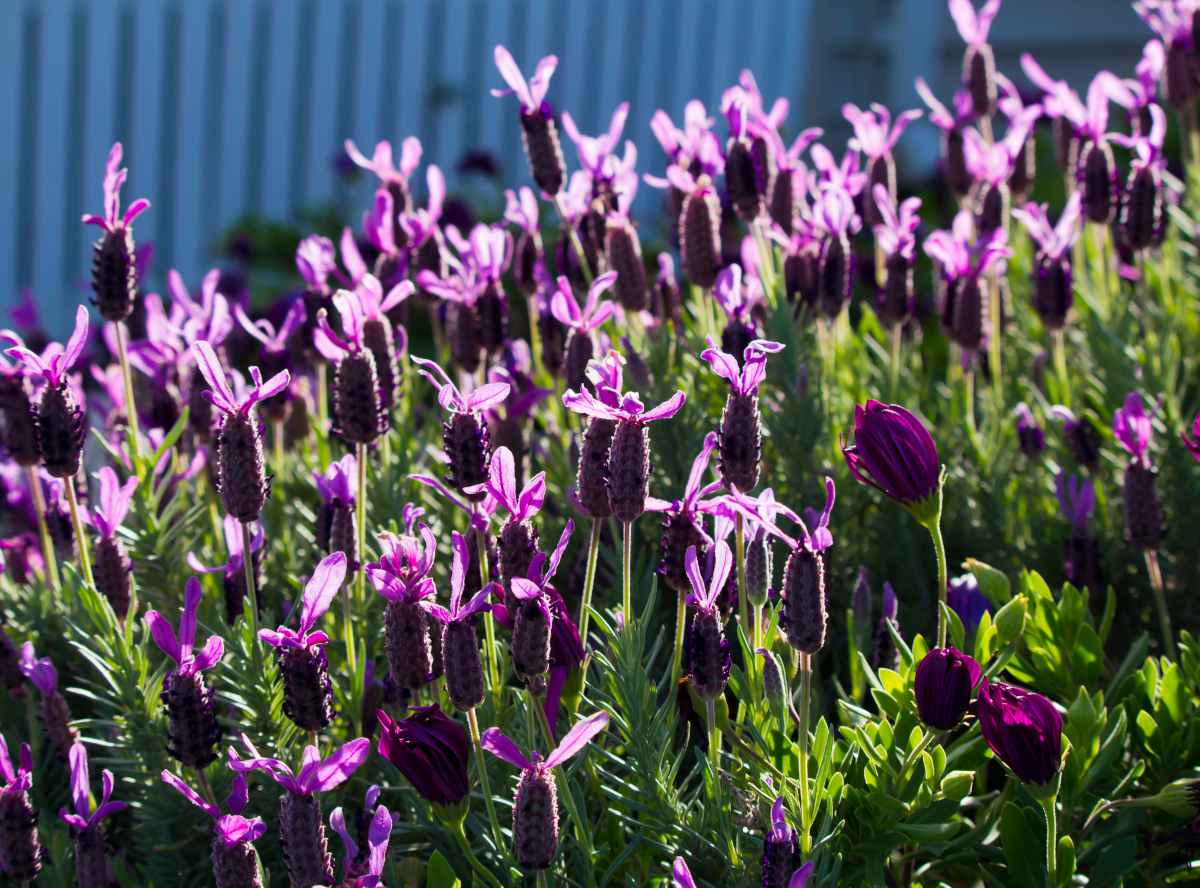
230	107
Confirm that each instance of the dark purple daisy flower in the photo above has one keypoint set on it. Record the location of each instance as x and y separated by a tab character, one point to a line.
1023	729
945	682
894	452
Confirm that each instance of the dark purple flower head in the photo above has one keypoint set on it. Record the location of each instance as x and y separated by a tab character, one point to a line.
450	398
19	779
232	529
894	452
55	361
180	648
895	235
274	341
114	501
315	774
745	108
1133	430
40	671
594	312
875	135
84	816
968	601
945	681
1192	440
1076	498
1053	241
402	571
1023	729
961	256
368	872
532	93
431	750
221	395
319	593
743	380
382	162
460	610
704	594
1030	436
502	485
596	153
694	147
232	828
495	742
114	178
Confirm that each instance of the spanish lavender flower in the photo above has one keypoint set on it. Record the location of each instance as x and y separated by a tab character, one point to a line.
402	577
1080	435
968	601
392	178
337	529
597	153
521	210
234	860
624	251
92	866
582	322
55	715
535	807
114	266
301	830
518	536
58	417
464	435
705	649
1024	161
422	234
805	612
538	130
1143	217
20	850
388	238
1143	511
992	165
699	226
781	850
836	221
18	429
1096	170
367	871
276	346
749	167
979	65
1023	729
1030	436
460	644
668	300
241	474
895	238
431	750
944	684
233	571
893	452
884	653
681	528
738	295
58	515
532	617
629	458
963	264
193	730
790	176
1062	105
741	432
1174	23
508	427
875	135
112	567
307	689
953	125
1053	293
491	250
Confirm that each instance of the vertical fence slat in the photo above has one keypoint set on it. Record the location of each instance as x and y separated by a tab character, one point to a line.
139	110
230	177
12	51
50	119
194	179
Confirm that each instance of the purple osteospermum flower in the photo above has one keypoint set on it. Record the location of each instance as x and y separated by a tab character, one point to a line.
193	730
461	663
234	570
301	830
112	567
92	867
365	872
1053	293
945	682
535	808
538	129
20	850
967	600
740	429
894	452
681	528
235	862
431	750
114	265
706	651
582	322
1023	729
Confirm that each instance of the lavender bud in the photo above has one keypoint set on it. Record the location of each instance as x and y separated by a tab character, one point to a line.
882	171
518	546
492	311
527	253
535	819
20	849
241	470
192	727
800	278
430	256
679	533
307	689
860	598
56	722
60	430
302	835
358	409
462	665
706	653
380	340
780	858
775	686
954	163
833	275
468	449
759	568
991	208
625	258
18	430
1021	181
885	654
782	205
740	442
593	477
579	351
530	645
554	343
979	78
1142	211
1097	177
804	614
235	866
409	652
700	237
112	569
895	301
539	133
343	533
964	314
629	471
745	180
1081	560
92	868
464	335
114	274
1143	511
1052	292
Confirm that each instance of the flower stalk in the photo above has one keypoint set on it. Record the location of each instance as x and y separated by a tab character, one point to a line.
1160	601
627	574
589	582
489	622
39	506
81	540
802	726
485	783
131	418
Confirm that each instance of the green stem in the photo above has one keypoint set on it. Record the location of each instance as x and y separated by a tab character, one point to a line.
251	588
131	417
1051	841
995	340
576	244
912	758
277	441
39	506
1160	599
627	574
589	581
677	651
802	725
1060	366
939	551
81	540
714	736
969	399
482	871
489	622
322	415
484	781
894	367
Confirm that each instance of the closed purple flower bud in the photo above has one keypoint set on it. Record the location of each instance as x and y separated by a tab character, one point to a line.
629	471
358	408
1096	173
804	615
580	349
431	750
192	727
518	546
1142	212
775	687
944	683
700	237
530	645
61	430
740	441
1023	729
1066	145
965	313
18	430
893	452
834	272
409	652
464	334
302	836
492	310
1081	437
1030	436
307	688
20	849
535	819
759	568
706	654
1143	511
341	533
114	274
624	251
113	569
235	866
593	475
539	134
468	449
462	664
667	297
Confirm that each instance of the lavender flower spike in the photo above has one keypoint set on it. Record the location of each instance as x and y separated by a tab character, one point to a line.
114	261
234	860
367	872
20	850
538	130
460	644
705	649
1143	510
192	730
1053	293
112	567
532	616
582	323
875	135
535	808
402	577
979	65
741	430
92	867
518	537
681	527
55	715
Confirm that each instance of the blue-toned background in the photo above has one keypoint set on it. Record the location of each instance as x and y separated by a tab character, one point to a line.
234	107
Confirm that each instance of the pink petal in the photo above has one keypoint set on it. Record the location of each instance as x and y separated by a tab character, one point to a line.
577	738
666	409
320	590
495	742
163	634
